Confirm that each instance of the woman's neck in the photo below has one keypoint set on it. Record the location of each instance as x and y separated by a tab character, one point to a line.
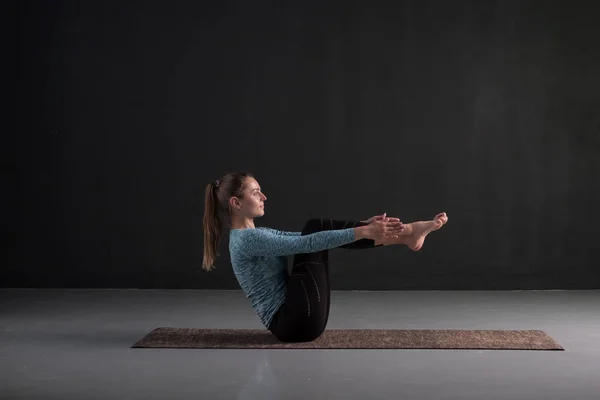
242	223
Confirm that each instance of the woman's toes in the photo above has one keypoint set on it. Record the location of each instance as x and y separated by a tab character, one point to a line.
441	217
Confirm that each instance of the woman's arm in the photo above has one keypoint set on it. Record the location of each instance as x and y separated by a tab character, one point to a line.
283	233
263	242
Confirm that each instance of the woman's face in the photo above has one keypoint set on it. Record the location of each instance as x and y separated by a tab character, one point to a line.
252	204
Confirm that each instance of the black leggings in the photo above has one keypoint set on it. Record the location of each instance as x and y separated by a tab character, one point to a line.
304	314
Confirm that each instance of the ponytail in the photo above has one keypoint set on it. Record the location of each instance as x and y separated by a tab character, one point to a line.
212	227
217	198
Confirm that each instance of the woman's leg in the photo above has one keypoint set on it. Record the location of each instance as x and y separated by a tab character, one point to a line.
305	313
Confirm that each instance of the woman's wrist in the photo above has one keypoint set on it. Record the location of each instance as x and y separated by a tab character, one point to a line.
361	232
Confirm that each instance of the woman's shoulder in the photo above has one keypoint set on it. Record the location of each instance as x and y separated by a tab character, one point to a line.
250	231
241	239
243	235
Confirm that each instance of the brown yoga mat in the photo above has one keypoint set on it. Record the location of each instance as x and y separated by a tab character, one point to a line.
351	339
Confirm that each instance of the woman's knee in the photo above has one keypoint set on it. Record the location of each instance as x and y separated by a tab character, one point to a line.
312	225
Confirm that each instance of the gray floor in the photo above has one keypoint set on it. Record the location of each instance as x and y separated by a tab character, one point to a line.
75	344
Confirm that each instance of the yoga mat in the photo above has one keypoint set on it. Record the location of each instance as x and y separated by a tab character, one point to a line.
351	339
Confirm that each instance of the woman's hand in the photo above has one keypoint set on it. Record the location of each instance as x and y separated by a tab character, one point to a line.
380	229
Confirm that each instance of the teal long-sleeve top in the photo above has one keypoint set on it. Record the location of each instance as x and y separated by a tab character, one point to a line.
259	261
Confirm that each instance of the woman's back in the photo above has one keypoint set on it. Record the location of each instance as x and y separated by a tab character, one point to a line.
261	277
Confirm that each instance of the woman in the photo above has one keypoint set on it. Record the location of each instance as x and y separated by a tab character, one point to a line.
294	307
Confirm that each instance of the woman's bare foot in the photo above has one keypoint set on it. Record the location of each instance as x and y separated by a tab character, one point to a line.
419	230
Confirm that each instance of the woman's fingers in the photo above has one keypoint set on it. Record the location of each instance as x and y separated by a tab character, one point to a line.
395	225
390	231
395	229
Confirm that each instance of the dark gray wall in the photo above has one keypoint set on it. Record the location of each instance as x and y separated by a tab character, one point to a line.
489	111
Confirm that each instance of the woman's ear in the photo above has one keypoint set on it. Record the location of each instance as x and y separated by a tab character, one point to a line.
234	202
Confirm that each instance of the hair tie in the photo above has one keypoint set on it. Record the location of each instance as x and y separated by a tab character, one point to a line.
217	183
